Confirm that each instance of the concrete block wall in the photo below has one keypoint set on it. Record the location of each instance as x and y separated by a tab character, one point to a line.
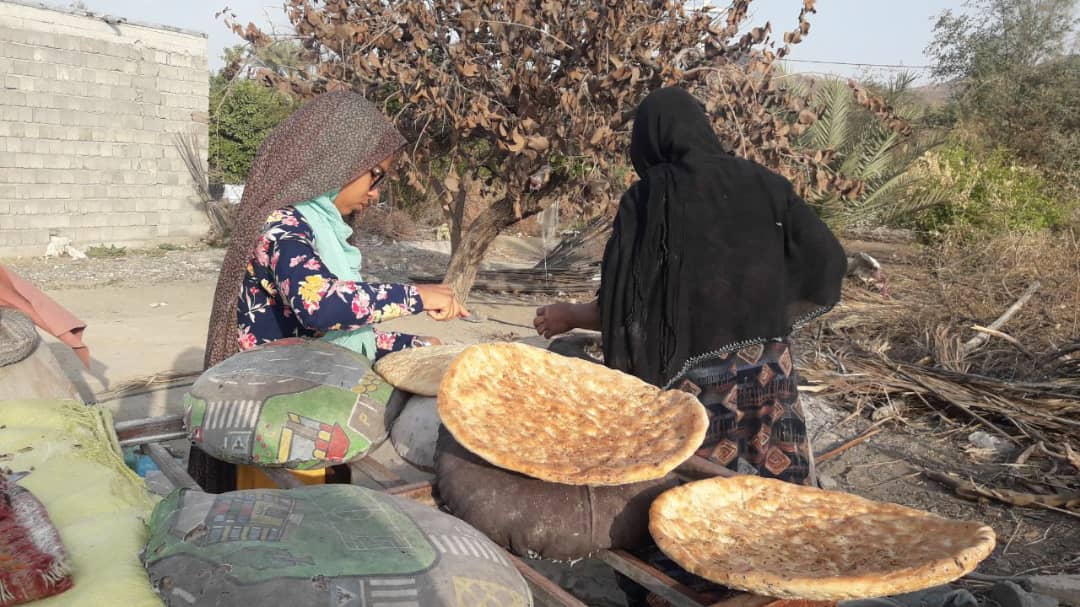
89	113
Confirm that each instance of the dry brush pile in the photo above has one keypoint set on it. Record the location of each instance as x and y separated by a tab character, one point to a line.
986	334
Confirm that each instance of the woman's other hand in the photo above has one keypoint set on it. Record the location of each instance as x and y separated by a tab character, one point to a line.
555	319
440	302
560	318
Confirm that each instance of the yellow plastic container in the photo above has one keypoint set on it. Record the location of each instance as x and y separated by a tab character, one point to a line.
252	477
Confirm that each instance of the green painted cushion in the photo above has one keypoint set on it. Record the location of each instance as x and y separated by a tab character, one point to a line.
300	404
322	545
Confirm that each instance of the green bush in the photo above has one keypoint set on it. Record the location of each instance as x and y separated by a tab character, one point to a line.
106	252
242	114
985	193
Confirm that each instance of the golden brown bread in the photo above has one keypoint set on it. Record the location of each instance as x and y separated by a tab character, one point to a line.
566	420
790	541
418	370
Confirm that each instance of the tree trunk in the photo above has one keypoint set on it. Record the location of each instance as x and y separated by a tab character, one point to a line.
457	219
465	259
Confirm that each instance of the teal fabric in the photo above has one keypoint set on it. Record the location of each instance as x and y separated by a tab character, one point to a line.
332	244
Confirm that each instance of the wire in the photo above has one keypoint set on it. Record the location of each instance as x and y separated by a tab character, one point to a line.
888	65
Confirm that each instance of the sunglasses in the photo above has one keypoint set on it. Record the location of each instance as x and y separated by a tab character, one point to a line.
377	175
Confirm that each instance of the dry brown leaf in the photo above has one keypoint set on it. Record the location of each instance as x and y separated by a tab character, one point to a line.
538	143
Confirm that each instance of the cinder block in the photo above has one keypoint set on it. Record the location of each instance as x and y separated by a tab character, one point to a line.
16	50
12	97
116	220
61	188
17	177
88	236
49	221
36	238
47	39
29	161
148	205
47	206
11	33
91	210
20	67
47	116
57	162
180	60
17	114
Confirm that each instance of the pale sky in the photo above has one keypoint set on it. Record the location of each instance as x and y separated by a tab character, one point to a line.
852	31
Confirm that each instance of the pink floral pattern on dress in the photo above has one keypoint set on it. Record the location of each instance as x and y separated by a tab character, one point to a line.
288	292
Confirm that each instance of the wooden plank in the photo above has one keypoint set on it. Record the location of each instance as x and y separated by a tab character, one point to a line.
423	493
282	478
698	467
652	579
546	593
172	469
150	430
378	473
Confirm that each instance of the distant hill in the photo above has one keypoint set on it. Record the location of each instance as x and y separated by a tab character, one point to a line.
936	95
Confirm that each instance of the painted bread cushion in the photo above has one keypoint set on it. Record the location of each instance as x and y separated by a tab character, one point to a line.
295	403
321	545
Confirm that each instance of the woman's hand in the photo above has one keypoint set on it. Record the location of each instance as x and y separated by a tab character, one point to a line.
555	319
560	318
440	302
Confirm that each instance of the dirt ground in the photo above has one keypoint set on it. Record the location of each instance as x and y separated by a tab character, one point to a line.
147	314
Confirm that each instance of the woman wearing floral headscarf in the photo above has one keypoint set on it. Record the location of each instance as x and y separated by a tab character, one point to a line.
290	270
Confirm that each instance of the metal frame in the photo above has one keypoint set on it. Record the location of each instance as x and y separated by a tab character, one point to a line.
546	593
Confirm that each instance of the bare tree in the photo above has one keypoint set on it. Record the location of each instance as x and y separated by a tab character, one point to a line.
513	104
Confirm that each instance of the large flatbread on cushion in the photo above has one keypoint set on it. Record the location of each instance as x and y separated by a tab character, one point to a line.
795	542
566	420
418	370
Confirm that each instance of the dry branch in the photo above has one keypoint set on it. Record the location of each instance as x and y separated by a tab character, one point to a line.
969	490
856	441
983	336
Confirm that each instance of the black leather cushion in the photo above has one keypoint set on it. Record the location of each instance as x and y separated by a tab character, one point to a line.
538	519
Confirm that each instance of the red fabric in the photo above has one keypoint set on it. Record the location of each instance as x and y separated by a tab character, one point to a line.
16	292
33	562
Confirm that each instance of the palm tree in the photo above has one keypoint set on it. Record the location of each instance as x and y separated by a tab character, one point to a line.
866	150
283	57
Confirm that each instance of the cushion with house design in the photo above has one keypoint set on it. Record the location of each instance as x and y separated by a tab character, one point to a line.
297	403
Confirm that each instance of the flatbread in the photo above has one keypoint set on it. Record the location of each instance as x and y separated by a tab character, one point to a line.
794	542
566	420
418	370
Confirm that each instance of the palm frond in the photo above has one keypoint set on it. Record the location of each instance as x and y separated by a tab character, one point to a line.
876	160
831	131
902	195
